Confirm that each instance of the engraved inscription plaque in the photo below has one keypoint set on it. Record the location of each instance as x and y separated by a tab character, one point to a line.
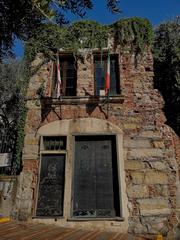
51	186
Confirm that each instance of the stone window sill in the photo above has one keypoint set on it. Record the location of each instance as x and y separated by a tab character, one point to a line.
77	100
119	219
48	217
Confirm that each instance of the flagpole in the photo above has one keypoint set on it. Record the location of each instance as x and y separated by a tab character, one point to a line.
58	77
107	80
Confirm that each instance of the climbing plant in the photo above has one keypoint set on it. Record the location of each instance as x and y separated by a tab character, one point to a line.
167	69
83	34
13	85
135	33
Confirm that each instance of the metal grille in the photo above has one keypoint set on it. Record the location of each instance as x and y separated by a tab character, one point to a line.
7	145
6	141
54	143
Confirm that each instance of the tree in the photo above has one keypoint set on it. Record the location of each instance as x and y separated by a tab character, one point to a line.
167	69
12	88
10	92
19	18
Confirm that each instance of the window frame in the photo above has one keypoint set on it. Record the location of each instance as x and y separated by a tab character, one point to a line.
64	59
104	56
43	152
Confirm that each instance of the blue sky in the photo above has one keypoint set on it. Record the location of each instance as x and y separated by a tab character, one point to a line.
156	11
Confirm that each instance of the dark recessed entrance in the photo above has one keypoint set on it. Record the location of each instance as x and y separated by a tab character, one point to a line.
95	186
51	186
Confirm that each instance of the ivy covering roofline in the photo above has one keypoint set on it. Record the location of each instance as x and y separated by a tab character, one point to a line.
136	33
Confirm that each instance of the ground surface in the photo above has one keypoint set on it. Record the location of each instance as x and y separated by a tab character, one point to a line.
22	231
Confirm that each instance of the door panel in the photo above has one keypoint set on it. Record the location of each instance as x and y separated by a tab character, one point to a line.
95	177
51	186
84	179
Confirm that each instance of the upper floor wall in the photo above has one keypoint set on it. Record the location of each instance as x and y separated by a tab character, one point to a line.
82	59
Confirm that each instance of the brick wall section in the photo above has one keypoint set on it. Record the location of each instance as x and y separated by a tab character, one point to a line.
151	150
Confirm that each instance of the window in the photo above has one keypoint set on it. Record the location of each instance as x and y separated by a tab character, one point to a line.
96	187
100	65
68	76
54	143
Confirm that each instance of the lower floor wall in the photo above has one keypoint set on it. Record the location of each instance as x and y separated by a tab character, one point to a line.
147	175
8	188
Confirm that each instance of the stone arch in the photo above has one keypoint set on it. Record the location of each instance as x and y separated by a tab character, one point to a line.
80	125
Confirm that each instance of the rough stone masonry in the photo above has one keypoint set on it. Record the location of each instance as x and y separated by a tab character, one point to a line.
151	152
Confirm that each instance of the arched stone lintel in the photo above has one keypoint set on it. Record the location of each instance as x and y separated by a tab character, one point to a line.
80	126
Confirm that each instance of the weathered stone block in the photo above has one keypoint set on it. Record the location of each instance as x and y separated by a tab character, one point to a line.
131	126
158	144
137	143
145	153
30	139
156	177
155	206
26	204
158	165
136	227
137	177
151	135
26	194
138	191
154	224
133	165
30	151
25	180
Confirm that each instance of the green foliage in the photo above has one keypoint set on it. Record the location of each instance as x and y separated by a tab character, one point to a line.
19	18
83	34
20	135
167	69
22	111
136	33
57	9
13	85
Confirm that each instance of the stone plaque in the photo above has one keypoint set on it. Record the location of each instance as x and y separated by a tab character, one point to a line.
51	186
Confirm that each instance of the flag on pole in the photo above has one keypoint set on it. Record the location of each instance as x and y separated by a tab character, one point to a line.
107	80
58	77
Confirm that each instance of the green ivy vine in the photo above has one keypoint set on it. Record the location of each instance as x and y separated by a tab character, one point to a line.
17	163
135	33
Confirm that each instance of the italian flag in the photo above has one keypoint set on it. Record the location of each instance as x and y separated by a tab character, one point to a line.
107	80
58	77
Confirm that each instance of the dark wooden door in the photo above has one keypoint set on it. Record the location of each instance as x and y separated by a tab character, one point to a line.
51	186
96	191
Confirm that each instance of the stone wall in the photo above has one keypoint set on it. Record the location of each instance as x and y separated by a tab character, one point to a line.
8	186
150	148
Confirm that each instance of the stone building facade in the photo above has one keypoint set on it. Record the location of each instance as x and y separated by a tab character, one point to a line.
146	182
